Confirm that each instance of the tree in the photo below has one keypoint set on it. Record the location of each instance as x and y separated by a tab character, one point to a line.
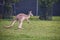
48	6
8	9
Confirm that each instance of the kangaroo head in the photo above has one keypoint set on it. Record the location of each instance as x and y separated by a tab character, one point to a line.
30	13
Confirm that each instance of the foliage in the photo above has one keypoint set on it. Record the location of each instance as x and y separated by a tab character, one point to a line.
12	1
8	3
48	6
48	2
8	9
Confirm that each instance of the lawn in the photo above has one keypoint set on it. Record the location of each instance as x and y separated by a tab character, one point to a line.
36	30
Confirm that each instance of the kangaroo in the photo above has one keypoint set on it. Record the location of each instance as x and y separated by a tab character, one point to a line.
20	18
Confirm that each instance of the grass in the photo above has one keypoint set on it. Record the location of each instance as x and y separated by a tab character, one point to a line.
36	30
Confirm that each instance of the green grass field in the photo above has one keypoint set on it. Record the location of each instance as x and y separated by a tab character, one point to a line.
36	30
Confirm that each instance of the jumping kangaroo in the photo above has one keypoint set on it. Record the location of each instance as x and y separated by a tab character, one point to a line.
20	18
